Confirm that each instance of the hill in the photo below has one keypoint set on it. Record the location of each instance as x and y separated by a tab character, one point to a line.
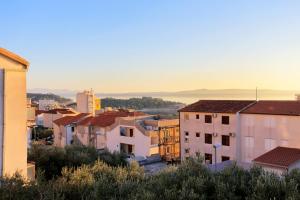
139	103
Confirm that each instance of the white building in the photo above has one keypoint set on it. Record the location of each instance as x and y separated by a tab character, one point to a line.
47	104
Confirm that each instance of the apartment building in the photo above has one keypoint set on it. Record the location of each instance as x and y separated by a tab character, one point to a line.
267	125
167	131
87	102
13	138
210	122
64	129
239	130
130	132
46	118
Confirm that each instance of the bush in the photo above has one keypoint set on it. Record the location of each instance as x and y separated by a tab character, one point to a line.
51	160
190	180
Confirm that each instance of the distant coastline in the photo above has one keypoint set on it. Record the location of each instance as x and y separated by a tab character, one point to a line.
190	96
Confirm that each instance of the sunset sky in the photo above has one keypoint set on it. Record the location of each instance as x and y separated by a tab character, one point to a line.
155	45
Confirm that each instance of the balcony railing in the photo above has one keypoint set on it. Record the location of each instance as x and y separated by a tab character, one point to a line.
169	140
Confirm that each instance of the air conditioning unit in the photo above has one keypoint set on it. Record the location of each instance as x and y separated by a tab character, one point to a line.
232	134
214	115
215	134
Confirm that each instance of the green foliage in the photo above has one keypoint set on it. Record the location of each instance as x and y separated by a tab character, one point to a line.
42	132
190	180
51	160
137	103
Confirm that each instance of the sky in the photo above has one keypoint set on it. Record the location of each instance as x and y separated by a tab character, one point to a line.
155	45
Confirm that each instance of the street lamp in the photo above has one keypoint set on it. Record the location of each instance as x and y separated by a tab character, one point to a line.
216	146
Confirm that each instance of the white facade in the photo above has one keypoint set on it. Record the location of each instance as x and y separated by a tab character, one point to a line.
46	104
141	143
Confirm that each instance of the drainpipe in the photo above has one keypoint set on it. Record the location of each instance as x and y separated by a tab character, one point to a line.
3	124
238	133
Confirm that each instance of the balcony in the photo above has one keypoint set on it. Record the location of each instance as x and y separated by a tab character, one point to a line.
169	140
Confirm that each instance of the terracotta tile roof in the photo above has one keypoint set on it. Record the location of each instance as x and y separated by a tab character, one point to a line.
56	111
107	118
275	108
217	106
281	157
38	112
70	119
14	57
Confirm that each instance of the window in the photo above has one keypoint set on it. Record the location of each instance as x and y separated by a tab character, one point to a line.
225	120
208	138
284	143
186	133
122	131
208	119
198	154
225	140
72	128
270	144
208	158
131	132
249	142
186	139
197	116
168	150
197	134
225	158
186	116
187	150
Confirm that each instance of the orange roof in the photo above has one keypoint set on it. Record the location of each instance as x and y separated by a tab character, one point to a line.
14	57
217	106
55	111
281	157
107	118
70	119
291	108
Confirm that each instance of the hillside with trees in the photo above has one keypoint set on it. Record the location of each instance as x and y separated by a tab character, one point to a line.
139	103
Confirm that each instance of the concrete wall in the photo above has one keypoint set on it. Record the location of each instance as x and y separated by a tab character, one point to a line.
14	137
197	144
262	133
140	141
86	102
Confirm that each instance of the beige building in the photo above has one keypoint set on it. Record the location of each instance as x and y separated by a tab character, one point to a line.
65	129
211	122
13	114
46	118
267	125
86	102
241	130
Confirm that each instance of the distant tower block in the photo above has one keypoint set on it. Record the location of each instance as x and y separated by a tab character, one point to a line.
86	102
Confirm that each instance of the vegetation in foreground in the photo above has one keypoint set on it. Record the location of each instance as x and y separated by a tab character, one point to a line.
50	160
190	180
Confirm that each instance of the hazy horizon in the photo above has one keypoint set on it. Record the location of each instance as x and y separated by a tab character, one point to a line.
189	96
